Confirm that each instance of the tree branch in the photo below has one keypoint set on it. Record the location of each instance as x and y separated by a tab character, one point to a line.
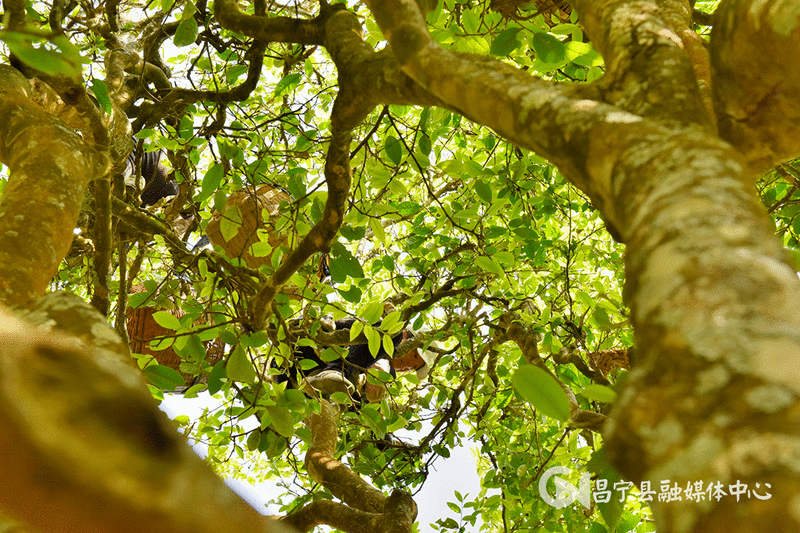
49	167
273	29
89	449
332	474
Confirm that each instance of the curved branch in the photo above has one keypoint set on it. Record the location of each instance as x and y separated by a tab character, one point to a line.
273	29
333	514
366	509
528	340
179	99
332	474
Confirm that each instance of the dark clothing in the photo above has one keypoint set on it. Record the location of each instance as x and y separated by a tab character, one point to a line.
156	185
358	358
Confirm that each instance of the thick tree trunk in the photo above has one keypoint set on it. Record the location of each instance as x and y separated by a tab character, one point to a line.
715	307
85	446
49	167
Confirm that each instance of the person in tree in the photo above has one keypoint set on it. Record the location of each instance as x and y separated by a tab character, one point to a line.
348	374
156	184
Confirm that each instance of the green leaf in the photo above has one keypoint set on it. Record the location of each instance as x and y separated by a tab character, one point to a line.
505	43
589	59
287	83
377	230
261	249
308	364
599	393
394	149
193	350
100	91
186	33
164	377
229	149
217	378
160	344
542	391
253	440
64	61
447	523
398	424
425	144
343	264
374	420
388	345
165	319
601	318
390	323
186	128
484	191
373	339
281	419
371	313
423	118
232	74
328	355
353	233
139	298
548	48
489	265
240	368
230	222
194	390
352	295
211	181
356	329
505	258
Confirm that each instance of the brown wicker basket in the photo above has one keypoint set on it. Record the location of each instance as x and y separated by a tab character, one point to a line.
143	328
251	207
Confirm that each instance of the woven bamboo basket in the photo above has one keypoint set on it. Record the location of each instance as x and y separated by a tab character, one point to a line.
143	328
256	210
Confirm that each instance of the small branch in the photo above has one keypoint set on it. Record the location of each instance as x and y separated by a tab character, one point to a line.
102	243
527	341
333	514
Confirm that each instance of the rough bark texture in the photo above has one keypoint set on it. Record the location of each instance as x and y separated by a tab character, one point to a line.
85	446
714	305
49	167
365	509
715	308
757	91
